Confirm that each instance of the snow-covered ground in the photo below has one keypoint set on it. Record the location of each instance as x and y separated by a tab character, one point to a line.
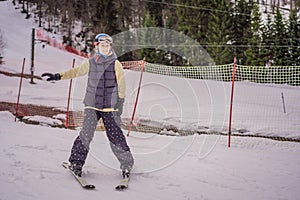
191	167
187	104
252	168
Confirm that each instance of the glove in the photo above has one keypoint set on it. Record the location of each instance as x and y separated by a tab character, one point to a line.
52	77
119	106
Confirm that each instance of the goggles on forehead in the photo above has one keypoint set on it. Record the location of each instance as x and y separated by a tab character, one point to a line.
103	40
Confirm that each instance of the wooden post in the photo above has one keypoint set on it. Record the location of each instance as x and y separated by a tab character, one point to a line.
32	55
19	93
69	97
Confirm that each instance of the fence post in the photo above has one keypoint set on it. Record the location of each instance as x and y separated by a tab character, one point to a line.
69	97
283	103
137	97
19	93
32	55
231	100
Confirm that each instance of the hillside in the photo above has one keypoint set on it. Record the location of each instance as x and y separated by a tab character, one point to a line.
194	167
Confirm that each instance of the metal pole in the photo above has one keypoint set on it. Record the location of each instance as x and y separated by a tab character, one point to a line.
32	55
231	100
283	103
137	97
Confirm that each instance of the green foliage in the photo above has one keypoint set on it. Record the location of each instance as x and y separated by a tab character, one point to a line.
104	17
241	31
280	48
193	18
218	33
225	28
153	54
155	11
253	53
267	54
294	39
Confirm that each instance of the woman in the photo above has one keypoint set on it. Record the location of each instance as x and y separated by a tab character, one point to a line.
104	99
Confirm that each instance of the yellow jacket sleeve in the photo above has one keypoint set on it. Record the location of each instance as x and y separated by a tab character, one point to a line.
120	79
80	70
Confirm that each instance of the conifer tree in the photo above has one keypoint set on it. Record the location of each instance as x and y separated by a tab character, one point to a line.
267	45
104	17
193	19
218	33
253	53
155	11
281	41
123	9
241	28
294	39
151	54
198	19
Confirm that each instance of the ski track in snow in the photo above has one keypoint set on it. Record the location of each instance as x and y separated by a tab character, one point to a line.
252	168
202	166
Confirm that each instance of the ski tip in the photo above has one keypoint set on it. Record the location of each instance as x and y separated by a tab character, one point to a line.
91	187
65	164
121	187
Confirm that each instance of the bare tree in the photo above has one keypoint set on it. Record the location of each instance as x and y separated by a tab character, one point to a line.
2	46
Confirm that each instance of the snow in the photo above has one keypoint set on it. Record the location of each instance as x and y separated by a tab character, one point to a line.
43	120
251	169
166	166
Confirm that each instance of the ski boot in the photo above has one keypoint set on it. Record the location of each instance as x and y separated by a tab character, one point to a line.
125	174
76	168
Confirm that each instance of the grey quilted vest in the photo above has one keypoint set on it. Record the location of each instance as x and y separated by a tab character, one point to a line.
102	87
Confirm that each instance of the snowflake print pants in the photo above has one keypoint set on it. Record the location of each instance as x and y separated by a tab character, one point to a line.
114	133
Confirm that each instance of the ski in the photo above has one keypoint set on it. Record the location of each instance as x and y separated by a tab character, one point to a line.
81	180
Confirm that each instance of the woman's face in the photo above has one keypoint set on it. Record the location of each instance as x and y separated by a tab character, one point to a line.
104	48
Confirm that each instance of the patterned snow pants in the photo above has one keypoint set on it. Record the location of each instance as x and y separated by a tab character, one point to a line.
114	133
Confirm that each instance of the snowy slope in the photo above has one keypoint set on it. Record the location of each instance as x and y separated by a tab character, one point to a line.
193	167
184	103
251	169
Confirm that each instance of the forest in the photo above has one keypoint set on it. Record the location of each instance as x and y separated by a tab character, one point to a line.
256	32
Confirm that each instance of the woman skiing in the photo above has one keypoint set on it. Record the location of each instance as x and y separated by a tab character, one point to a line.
104	99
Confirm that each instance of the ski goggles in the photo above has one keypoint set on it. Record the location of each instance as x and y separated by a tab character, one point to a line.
103	40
